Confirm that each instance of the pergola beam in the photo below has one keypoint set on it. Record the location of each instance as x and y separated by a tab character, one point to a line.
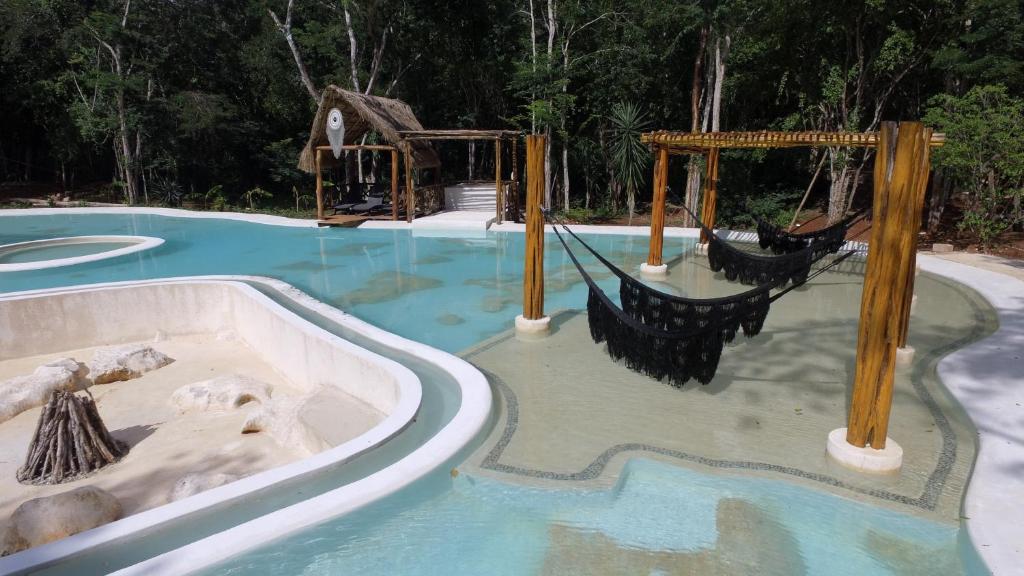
698	140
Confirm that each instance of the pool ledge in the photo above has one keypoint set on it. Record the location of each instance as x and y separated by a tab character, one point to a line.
135	244
987	379
472	416
312	355
171	212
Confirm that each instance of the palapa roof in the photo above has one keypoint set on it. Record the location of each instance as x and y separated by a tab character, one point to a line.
363	113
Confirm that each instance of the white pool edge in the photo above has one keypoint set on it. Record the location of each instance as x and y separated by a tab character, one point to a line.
404	412
472	416
138	244
988	382
170	212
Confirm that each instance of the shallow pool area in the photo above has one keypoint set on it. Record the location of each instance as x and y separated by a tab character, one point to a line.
585	467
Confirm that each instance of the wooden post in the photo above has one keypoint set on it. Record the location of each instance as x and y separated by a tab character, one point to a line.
499	199
900	163
910	243
658	206
514	186
394	184
410	194
707	213
319	188
533	272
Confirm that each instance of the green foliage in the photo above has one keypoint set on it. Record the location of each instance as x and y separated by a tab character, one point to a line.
631	158
216	198
984	152
254	195
213	99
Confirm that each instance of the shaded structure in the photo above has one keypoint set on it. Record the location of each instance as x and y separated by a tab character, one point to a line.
401	134
363	114
506	192
900	178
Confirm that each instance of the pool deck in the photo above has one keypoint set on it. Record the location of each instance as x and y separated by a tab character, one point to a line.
570	414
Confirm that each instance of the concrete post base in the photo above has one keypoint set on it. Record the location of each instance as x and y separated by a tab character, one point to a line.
904	356
533	328
866	459
659	271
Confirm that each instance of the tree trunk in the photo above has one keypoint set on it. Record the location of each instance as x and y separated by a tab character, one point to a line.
838	190
547	168
721	53
693	166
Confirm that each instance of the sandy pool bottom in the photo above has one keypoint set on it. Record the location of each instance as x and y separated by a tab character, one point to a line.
165	444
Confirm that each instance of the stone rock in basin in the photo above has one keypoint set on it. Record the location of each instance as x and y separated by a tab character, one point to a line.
221	393
50	518
26	392
198	482
125	362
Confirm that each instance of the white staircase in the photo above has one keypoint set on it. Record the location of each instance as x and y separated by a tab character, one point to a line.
475	197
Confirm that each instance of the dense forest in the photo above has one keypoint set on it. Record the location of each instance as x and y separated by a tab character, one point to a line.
157	101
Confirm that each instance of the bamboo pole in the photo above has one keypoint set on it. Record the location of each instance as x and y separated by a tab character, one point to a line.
319	188
410	194
707	213
900	162
499	199
394	184
533	270
658	206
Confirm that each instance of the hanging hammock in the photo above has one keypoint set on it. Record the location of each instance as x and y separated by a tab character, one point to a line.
667	336
782	242
755	269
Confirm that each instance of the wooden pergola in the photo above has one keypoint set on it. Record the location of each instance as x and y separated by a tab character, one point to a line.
902	167
497	136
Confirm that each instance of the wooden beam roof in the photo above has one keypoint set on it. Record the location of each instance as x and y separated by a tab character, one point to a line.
457	134
704	140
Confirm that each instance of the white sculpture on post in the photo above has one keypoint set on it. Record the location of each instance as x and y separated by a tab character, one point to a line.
335	131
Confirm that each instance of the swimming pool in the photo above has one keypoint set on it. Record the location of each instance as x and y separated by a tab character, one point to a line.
453	294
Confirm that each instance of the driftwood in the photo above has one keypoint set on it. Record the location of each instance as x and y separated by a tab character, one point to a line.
70	441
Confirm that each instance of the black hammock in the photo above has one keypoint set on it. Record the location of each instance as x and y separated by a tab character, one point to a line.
667	336
782	242
756	270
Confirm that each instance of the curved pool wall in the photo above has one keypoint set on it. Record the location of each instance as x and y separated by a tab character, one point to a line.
71	250
1006	298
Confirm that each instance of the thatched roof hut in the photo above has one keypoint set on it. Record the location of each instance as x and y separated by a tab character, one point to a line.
363	113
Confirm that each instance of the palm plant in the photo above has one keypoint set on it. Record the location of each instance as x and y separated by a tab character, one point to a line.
629	156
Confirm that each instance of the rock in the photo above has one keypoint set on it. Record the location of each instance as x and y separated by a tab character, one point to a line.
125	362
942	248
280	419
26	392
10	542
198	482
50	518
221	393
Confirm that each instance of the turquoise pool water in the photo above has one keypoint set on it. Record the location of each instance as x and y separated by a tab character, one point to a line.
447	293
71	250
659	519
452	294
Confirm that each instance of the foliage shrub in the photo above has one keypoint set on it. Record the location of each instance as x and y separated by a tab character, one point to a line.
984	154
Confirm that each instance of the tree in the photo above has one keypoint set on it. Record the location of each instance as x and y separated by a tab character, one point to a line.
984	154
